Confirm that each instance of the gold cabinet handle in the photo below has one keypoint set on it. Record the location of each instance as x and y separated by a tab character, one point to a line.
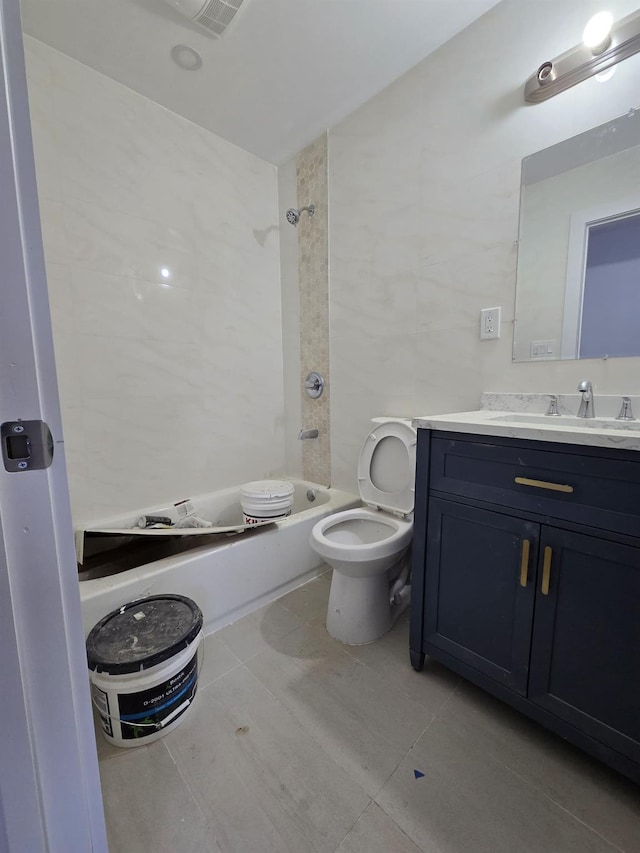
546	570
524	565
543	484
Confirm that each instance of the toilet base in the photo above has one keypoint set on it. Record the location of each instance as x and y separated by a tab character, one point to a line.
359	609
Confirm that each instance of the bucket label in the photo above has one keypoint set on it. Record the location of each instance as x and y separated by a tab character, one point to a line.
101	702
140	713
260	519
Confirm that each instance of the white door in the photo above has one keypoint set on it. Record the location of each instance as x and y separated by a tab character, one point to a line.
49	784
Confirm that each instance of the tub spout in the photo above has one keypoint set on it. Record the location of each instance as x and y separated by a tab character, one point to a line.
307	433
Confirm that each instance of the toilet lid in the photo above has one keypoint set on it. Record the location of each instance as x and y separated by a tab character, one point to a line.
386	468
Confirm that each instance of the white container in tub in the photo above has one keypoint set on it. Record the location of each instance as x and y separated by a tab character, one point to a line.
228	576
266	500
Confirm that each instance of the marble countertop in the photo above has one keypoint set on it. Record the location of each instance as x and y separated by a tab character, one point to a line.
522	416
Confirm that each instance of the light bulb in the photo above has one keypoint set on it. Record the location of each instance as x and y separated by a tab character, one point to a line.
596	33
165	272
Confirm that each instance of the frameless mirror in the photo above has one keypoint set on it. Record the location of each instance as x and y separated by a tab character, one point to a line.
578	282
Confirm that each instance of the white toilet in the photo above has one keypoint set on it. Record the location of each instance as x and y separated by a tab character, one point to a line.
368	547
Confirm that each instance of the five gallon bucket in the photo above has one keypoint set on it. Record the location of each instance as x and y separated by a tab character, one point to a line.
266	500
143	667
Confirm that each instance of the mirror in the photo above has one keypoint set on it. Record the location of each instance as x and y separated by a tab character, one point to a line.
578	281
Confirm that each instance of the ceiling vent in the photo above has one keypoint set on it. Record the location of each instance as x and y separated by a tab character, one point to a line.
214	16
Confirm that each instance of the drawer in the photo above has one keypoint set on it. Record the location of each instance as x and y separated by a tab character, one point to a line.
591	486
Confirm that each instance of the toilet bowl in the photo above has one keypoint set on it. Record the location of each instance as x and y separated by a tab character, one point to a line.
367	547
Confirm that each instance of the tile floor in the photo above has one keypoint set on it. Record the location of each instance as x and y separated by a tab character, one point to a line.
297	744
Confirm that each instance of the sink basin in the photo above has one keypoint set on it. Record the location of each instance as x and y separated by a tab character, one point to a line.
567	421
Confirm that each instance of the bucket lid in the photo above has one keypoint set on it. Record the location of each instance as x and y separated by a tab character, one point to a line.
143	633
266	489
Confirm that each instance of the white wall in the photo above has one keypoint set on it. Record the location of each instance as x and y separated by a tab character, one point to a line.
424	191
168	387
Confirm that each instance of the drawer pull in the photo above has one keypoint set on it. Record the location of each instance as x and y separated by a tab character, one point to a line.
543	484
546	570
524	566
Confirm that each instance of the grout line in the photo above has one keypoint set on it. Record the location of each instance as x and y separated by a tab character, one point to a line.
546	796
406	835
251	616
528	782
402	690
205	687
182	776
454	692
302	724
582	822
270	692
337	847
208	822
222	674
422	733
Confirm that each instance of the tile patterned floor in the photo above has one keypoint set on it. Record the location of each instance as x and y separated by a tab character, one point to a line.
298	744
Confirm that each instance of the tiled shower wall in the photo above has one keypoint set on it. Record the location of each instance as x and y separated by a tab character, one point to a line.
170	385
313	273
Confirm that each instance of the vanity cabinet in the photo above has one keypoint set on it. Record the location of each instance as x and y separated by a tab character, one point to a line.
526	580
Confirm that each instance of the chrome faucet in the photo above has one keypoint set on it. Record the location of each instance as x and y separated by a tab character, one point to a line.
587	404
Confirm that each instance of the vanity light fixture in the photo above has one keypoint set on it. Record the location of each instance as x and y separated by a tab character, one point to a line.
604	44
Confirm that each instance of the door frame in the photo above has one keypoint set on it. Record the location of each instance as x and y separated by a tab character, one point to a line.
50	797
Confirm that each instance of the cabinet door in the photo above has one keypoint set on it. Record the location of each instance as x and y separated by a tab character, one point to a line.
480	588
585	660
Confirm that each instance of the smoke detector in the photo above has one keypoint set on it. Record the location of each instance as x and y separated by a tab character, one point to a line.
214	16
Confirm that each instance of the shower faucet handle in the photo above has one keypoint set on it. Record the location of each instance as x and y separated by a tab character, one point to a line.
314	384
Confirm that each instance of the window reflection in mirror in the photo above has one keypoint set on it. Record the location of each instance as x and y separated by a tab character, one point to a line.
580	213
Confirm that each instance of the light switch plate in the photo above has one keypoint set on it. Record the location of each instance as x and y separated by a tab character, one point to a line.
489	324
543	349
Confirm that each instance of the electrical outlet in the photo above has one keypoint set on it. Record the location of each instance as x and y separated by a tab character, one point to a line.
489	323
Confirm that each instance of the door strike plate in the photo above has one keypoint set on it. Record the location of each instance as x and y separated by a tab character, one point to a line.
26	446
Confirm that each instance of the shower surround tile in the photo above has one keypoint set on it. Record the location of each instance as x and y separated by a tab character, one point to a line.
313	273
170	384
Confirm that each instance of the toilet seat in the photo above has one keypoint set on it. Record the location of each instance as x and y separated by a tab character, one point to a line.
395	536
386	466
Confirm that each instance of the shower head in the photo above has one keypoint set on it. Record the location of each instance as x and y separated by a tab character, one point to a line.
293	215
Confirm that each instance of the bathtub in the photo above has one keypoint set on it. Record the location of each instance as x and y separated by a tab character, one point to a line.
228	576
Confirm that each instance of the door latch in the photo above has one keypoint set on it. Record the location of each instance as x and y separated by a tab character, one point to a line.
26	445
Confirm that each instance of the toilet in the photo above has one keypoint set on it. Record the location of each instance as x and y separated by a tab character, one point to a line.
368	547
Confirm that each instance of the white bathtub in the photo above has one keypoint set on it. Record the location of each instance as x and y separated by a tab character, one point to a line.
231	575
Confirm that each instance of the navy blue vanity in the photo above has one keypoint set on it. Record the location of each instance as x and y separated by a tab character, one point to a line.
526	580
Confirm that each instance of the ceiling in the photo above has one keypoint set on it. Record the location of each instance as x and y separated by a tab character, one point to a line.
284	72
